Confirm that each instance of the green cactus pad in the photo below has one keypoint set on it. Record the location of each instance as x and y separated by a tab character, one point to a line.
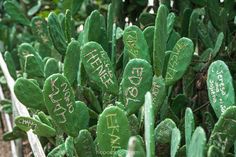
213	151
51	67
98	67
60	102
58	151
84	145
148	33
197	144
69	146
175	141
223	135
29	94
112	131
189	127
40	31
71	61
220	87
44	118
26	49
135	43
136	81
41	129
13	9
160	39
83	116
134	124
56	33
33	66
14	134
135	147
149	126
179	60
10	64
163	131
158	93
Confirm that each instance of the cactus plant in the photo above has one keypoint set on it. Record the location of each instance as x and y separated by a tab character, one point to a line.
121	78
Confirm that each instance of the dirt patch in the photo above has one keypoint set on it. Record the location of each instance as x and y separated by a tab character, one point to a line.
5	148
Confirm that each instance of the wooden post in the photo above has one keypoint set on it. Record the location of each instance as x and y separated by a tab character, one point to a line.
22	110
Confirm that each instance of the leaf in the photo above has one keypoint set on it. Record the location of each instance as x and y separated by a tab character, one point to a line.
220	87
60	102
13	135
15	12
58	151
163	131
175	141
158	93
35	8
160	39
27	123
223	135
33	66
10	64
73	5
84	145
135	43
112	131
213	151
135	147
83	116
69	146
71	61
197	144
51	67
146	19
170	22
149	126
98	67
56	32
29	94
182	53
92	29
40	31
136	81
149	37
189	126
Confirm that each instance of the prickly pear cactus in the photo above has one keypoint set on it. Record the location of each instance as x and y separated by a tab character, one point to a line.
159	44
163	131
189	127
112	131
135	43
41	129
135	147
179	60
71	61
197	144
137	80
220	87
23	88
98	67
149	125
158	93
223	135
84	145
60	102
56	33
175	141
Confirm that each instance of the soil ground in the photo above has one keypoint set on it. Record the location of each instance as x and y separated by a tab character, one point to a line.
5	148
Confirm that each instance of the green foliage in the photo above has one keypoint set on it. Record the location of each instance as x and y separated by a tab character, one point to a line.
82	69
